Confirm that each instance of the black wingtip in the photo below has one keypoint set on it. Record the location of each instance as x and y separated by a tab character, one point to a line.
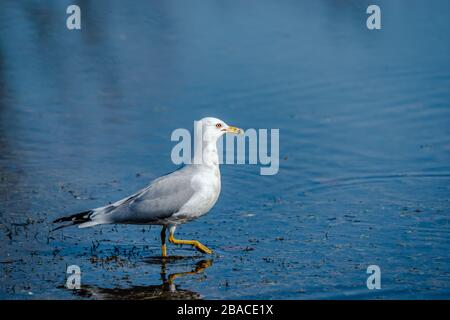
75	218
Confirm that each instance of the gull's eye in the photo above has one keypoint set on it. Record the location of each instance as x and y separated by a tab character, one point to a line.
218	125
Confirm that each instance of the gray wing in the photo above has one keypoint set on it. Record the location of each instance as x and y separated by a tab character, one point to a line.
161	199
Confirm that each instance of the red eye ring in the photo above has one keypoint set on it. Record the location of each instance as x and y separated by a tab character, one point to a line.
218	125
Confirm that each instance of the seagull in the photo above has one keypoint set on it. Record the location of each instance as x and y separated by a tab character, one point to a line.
176	198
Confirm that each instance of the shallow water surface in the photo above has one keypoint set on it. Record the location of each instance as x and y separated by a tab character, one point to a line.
364	118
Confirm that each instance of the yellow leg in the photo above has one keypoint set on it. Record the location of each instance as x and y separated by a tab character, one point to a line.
163	242
200	247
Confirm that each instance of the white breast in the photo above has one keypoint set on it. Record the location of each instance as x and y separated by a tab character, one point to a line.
206	184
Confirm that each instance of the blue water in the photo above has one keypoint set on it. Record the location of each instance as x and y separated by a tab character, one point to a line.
364	118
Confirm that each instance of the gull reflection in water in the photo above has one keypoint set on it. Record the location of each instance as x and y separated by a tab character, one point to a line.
167	290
